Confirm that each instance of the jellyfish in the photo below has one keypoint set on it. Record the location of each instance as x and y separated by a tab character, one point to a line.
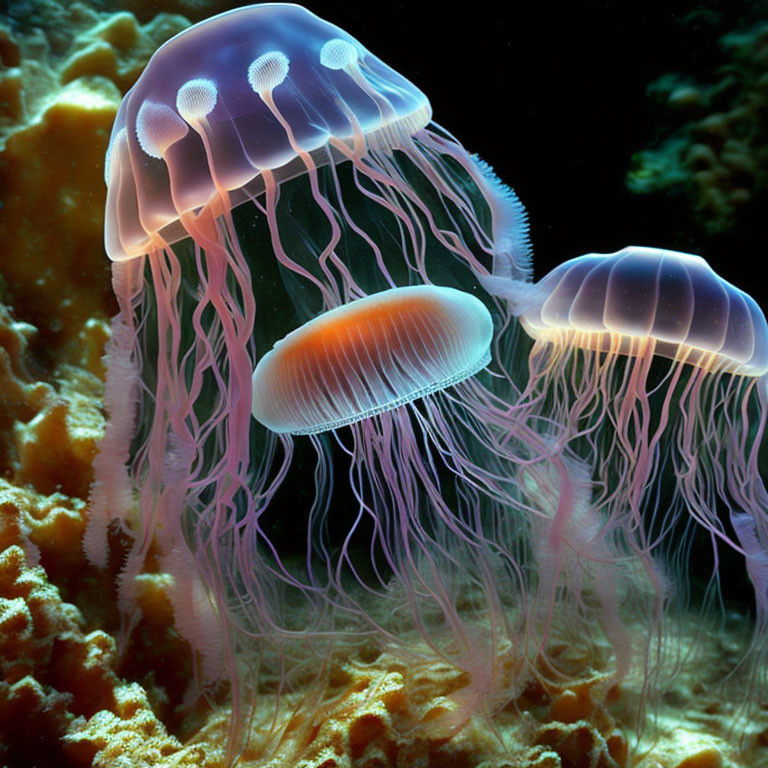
651	368
371	356
357	366
266	170
400	370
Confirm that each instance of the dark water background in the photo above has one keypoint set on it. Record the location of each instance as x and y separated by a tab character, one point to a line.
554	97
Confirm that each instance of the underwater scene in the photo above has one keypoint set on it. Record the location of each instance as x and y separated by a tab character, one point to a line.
383	386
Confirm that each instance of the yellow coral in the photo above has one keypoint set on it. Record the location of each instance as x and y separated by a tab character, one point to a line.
57	105
129	735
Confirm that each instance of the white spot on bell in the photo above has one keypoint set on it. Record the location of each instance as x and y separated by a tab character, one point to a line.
157	127
196	98
268	71
338	54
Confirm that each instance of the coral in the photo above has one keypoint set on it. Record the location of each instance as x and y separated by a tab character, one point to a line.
55	449
49	430
51	671
384	712
58	667
130	734
715	145
66	69
20	398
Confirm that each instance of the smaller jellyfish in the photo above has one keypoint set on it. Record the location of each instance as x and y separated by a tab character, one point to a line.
371	356
408	546
651	368
451	559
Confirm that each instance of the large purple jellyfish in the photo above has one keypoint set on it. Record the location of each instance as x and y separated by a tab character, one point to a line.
265	169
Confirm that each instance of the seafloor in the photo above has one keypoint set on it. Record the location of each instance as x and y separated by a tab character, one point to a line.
67	697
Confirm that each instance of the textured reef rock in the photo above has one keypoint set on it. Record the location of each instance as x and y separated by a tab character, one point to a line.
74	691
715	145
65	70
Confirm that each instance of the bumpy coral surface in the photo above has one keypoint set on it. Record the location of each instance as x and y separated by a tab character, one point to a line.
66	69
75	688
